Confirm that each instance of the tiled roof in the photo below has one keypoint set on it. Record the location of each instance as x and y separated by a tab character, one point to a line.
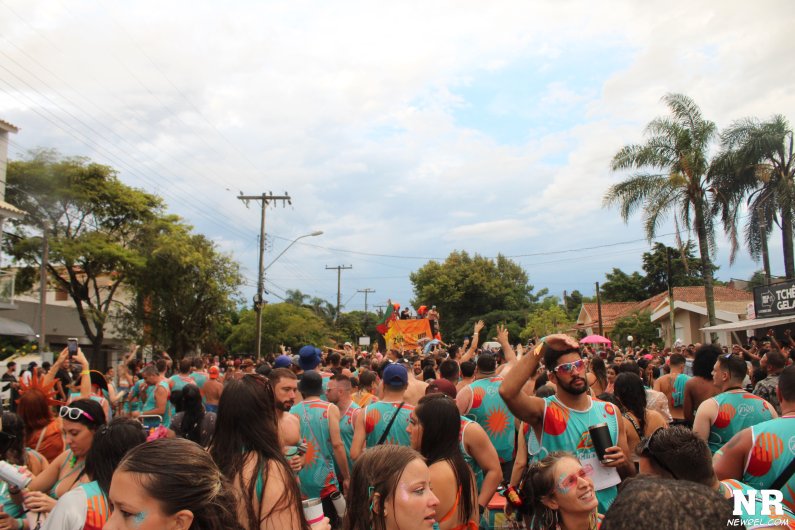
724	296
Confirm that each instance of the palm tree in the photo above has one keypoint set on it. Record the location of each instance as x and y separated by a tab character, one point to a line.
756	165
671	177
295	297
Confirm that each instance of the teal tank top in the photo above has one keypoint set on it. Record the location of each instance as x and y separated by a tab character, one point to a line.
181	380
200	379
346	431
565	429
317	478
772	451
736	411
476	469
678	395
377	417
491	412
151	404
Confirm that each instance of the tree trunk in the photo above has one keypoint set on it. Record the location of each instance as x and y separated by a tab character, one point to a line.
786	240
703	247
98	360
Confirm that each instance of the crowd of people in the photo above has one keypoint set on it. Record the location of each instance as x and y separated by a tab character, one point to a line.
550	434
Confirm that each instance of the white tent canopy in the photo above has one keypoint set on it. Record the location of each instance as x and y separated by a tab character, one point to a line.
754	323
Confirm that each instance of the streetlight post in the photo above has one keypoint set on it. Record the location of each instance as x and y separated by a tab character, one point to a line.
261	285
313	234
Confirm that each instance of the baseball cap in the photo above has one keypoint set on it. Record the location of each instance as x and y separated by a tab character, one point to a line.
283	361
308	357
311	383
441	386
213	372
396	375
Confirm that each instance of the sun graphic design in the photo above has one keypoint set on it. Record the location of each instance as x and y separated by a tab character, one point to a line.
477	397
311	453
766	450
497	422
725	414
556	419
371	420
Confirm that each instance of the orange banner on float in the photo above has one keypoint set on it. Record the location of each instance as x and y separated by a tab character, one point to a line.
407	333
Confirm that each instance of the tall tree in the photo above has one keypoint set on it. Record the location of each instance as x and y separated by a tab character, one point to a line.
671	177
186	288
464	286
623	287
94	221
295	297
756	165
685	268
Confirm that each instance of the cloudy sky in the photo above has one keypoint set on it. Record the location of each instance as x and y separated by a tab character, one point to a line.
402	130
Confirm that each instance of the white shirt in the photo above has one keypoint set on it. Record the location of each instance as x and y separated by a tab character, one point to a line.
69	512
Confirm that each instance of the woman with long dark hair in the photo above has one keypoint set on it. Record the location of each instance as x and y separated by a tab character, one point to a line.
170	483
194	422
597	376
434	428
246	448
631	397
390	489
81	419
12	445
86	506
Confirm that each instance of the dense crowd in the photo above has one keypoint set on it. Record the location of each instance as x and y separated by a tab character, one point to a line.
545	435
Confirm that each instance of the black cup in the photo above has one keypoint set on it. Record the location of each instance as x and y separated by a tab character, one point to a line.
600	436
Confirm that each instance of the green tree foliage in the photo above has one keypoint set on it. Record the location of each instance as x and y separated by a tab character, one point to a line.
186	289
623	287
685	268
94	222
464	287
545	321
282	324
756	165
672	177
639	326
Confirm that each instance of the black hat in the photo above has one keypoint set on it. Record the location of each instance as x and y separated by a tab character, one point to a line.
311	384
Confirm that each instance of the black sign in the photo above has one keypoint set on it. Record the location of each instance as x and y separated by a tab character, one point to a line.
775	300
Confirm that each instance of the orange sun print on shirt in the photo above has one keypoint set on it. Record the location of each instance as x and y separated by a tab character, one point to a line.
556	420
725	414
767	448
497	422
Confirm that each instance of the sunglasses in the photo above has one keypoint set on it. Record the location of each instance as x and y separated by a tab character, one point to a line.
72	413
647	451
570	481
570	368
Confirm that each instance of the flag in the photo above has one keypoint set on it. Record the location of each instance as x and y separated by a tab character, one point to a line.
390	315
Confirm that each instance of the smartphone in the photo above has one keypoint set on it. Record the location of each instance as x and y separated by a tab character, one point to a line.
71	345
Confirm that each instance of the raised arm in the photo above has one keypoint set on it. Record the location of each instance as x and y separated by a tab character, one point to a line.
49	376
474	344
529	409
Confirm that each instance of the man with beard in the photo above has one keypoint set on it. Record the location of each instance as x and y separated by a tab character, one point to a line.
285	389
339	393
561	422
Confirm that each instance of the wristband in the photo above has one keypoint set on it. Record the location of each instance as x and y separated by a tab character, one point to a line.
85	372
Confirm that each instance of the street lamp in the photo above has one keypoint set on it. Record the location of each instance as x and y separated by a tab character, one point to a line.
258	301
313	234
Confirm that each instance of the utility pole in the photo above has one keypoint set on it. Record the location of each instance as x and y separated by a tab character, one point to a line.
671	315
599	310
366	292
339	268
266	199
380	308
45	256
